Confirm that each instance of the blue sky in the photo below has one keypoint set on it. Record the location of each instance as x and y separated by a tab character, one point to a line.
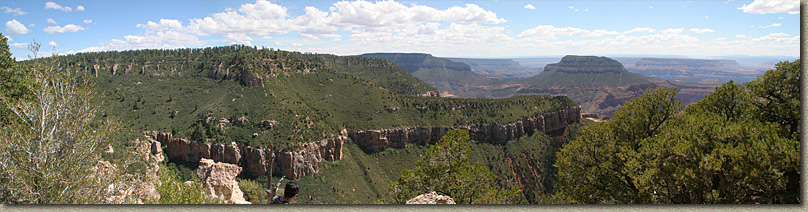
441	28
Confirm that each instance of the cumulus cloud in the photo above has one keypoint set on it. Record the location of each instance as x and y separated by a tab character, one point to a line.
772	25
368	20
9	38
545	32
777	37
19	45
51	21
53	43
740	36
772	6
530	6
79	8
721	38
163	25
66	28
15	11
700	31
55	6
640	29
15	27
88	21
238	38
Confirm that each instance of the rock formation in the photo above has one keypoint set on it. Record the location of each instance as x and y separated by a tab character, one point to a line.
553	124
255	160
431	198
219	179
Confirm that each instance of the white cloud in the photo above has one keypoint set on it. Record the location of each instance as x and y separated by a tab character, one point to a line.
164	25
15	11
79	8
652	7
740	36
544	32
672	31
640	29
15	27
55	6
238	38
51	21
530	6
700	31
571	7
19	45
88	21
722	38
779	17
777	37
53	43
66	28
9	38
297	44
706	16
263	18
772	25
772	6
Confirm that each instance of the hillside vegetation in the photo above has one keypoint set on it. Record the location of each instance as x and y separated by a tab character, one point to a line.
251	96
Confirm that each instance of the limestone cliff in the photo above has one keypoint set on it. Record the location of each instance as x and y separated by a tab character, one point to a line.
553	123
255	160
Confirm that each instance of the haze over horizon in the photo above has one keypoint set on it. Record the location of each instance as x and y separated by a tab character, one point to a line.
480	29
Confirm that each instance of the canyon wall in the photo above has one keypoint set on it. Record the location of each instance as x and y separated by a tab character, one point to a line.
304	162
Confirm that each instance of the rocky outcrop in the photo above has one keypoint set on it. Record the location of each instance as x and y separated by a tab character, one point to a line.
431	198
219	180
553	123
253	160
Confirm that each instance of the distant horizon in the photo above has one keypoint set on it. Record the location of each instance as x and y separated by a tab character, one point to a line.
475	29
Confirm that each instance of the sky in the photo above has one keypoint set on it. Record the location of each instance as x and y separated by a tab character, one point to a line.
480	29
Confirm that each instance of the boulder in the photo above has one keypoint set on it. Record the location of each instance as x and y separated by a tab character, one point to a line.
431	198
219	179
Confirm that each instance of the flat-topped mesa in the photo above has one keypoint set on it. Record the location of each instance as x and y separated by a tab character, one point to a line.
554	124
585	64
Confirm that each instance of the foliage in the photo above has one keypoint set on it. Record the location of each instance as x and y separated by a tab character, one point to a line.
14	81
174	191
445	169
253	191
737	145
49	156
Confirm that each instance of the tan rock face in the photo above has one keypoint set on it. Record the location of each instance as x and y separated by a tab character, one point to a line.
219	179
550	123
431	198
254	160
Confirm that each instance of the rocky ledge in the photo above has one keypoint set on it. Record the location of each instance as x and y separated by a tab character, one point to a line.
554	124
255	160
